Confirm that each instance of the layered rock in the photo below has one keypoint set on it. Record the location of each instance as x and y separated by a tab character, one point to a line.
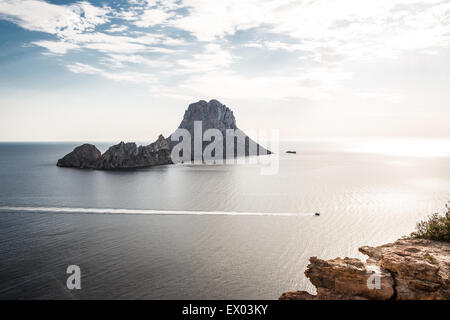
120	156
215	115
129	155
408	269
84	156
421	268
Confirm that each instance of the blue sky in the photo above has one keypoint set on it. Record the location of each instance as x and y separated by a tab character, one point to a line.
113	70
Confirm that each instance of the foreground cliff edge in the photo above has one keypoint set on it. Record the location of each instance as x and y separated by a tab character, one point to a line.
408	269
211	115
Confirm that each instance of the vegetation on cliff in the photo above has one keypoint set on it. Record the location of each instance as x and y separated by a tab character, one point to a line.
436	227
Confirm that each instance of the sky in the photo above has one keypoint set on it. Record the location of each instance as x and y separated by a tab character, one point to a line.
314	69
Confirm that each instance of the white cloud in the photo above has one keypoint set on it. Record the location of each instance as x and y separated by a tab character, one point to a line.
83	68
115	43
134	77
116	28
355	29
315	84
275	45
120	61
153	17
214	58
210	19
124	47
329	30
253	45
61	20
324	36
174	42
56	47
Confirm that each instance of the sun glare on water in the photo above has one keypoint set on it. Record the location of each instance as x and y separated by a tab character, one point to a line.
406	148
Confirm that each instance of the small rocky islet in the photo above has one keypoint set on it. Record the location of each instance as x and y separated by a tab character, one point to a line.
212	114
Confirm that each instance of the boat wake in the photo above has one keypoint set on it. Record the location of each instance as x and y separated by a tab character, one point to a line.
145	211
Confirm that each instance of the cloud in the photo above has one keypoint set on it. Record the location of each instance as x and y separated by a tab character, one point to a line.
208	20
121	60
116	28
60	20
356	29
134	77
213	58
83	68
153	17
116	46
315	84
276	45
197	47
56	47
107	43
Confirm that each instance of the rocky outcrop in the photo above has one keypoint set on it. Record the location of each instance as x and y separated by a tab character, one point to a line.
129	155
84	156
421	268
409	269
215	115
120	156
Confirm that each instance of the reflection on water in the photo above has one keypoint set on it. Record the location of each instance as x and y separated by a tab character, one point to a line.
364	198
405	148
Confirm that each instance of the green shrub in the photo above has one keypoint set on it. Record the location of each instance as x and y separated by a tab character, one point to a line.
435	228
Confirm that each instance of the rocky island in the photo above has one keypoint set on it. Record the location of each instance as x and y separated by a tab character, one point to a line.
211	115
120	156
215	115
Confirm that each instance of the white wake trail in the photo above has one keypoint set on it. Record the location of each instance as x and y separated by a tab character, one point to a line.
147	211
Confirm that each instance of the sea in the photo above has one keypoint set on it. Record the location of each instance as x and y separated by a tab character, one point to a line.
198	231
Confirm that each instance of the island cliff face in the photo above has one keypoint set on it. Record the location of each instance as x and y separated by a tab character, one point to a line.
213	115
84	156
129	155
409	269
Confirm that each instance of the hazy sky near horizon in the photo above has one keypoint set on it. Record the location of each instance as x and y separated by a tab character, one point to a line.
127	70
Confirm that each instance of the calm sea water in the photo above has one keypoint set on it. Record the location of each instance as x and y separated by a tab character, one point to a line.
364	198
